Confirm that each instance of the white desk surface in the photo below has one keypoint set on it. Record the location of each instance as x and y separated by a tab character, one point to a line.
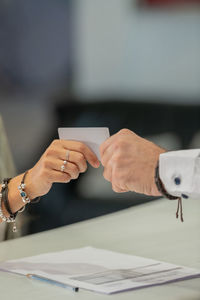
148	230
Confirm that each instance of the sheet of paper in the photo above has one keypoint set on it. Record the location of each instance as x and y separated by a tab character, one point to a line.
93	137
100	270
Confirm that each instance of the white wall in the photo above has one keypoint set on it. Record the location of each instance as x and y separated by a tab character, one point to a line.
126	51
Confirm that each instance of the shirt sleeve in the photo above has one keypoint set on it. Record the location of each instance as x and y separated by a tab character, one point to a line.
179	172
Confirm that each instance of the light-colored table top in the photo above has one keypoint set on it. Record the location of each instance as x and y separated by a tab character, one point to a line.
149	230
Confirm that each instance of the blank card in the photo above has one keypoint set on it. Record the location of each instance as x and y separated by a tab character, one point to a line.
93	137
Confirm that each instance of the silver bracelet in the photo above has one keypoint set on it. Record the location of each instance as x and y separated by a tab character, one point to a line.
7	219
4	198
22	192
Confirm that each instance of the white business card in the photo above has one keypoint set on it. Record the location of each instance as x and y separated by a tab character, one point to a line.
93	137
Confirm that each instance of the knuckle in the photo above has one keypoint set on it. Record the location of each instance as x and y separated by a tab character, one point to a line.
84	168
46	164
74	171
120	144
55	142
121	178
76	176
118	177
74	168
116	158
66	177
116	146
80	157
81	147
124	131
115	189
50	151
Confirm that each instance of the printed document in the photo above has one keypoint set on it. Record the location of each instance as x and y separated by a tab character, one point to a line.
100	270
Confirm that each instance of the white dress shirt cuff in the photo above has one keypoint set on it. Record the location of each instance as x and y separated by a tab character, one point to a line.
179	172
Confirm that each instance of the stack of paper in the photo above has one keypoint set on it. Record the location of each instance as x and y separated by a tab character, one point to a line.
99	270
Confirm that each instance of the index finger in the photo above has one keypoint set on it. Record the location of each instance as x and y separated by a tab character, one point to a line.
85	150
106	144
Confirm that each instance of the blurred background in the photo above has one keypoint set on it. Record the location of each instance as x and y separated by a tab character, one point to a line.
114	63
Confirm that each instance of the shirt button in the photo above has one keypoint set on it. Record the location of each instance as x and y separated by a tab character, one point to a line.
184	196
177	180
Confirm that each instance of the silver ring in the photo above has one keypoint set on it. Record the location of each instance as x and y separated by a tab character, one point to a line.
67	155
62	168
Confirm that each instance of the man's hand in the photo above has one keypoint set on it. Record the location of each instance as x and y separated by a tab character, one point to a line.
129	163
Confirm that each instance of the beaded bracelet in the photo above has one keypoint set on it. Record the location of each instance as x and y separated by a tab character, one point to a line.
23	194
5	197
12	217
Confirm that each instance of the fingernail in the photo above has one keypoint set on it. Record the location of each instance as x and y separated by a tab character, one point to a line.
97	163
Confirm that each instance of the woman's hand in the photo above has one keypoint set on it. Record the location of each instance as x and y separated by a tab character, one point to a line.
48	169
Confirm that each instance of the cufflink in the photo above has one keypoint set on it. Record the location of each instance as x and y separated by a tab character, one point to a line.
184	196
177	180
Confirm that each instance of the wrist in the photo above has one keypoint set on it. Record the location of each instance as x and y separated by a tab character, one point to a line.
30	187
155	171
160	185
